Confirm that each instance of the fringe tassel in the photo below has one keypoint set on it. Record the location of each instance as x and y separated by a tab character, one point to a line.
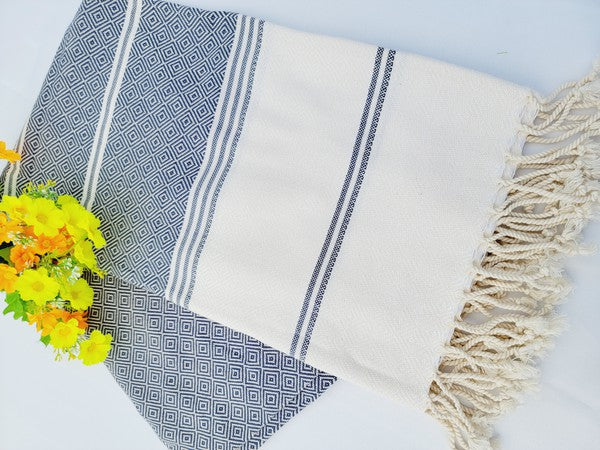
508	319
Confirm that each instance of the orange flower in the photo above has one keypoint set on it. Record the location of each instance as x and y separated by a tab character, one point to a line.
43	245
9	155
8	278
81	317
7	227
4	227
58	244
63	242
27	231
23	257
46	321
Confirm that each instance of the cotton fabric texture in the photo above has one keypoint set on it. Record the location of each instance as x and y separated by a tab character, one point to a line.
199	384
369	212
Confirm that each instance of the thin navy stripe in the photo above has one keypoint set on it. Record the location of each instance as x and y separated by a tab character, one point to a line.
192	233
106	120
185	288
236	138
340	203
361	174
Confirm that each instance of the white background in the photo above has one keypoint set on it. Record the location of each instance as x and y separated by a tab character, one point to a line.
537	43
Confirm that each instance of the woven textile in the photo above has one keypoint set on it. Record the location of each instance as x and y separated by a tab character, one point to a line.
200	385
386	218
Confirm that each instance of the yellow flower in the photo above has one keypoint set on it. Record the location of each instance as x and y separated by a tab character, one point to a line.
16	207
45	217
65	334
9	155
8	278
80	294
75	217
80	222
94	234
95	349
66	199
85	254
37	285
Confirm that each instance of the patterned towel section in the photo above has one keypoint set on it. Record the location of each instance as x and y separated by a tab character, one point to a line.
134	88
359	208
199	384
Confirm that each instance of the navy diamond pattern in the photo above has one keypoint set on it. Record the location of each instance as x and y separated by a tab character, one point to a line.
66	112
162	118
199	384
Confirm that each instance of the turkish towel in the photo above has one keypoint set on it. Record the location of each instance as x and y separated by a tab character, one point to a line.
368	211
200	385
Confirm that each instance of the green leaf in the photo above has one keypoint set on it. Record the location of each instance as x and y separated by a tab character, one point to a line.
5	253
45	340
28	307
15	305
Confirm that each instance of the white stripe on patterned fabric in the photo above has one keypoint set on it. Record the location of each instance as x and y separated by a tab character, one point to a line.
10	182
227	118
132	20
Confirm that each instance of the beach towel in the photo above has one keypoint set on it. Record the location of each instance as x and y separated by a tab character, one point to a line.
392	220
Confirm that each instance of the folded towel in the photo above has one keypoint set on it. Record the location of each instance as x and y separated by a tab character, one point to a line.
199	384
367	211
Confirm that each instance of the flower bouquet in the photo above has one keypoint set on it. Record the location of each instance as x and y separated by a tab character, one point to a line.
46	242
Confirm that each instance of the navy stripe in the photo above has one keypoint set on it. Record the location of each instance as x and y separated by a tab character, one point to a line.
185	289
182	258
106	120
340	203
361	174
236	138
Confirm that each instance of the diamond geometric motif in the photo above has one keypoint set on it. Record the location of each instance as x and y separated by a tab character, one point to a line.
158	134
199	384
63	120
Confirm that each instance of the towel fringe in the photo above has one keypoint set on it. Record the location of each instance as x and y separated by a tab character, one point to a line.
508	319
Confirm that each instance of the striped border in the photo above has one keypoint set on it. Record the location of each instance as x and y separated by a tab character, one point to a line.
222	143
130	26
371	113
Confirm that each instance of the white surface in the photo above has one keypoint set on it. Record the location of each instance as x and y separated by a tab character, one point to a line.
537	43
